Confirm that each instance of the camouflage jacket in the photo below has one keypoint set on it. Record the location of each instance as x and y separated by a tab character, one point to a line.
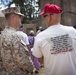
14	52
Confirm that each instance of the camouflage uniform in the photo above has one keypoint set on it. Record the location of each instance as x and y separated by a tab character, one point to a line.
2	71
14	53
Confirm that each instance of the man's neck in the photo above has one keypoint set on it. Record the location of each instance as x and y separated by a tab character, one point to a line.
13	26
55	23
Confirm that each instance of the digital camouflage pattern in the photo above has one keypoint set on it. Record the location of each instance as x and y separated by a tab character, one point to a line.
14	54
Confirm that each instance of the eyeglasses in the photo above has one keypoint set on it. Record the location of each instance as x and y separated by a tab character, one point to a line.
46	15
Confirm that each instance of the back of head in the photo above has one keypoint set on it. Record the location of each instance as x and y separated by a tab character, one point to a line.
31	33
13	16
41	28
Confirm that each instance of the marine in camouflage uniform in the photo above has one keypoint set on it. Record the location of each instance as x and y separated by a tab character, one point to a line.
14	53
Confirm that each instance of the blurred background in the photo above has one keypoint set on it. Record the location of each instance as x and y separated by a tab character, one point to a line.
32	8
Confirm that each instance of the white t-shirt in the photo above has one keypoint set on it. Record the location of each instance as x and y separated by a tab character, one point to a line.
57	44
25	37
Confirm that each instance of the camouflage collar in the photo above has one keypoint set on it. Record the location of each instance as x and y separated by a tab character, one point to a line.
8	27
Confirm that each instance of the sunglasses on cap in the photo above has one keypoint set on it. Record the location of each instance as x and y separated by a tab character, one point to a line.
46	15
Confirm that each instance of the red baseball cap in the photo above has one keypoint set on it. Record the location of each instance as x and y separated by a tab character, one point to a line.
52	9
